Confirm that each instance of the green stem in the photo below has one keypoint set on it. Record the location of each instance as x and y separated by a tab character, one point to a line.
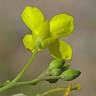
42	77
32	82
35	81
11	84
56	90
52	91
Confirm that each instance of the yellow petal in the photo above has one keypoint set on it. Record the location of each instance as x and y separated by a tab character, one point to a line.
28	42
65	50
32	17
42	32
60	49
61	25
54	48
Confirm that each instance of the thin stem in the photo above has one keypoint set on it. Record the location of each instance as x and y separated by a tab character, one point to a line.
10	84
52	91
42	77
56	90
32	82
35	81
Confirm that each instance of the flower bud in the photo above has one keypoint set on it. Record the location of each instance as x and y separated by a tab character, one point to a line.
54	72
65	67
57	63
70	74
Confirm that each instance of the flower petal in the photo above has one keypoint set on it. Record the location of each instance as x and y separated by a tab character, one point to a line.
28	42
61	25
54	47
60	49
65	50
32	17
43	31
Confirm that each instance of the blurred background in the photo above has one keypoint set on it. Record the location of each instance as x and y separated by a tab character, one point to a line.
13	55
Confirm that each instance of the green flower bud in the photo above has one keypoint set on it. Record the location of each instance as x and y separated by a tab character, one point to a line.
54	72
65	67
57	63
70	74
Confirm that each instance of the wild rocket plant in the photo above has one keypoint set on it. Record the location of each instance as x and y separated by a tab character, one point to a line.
47	34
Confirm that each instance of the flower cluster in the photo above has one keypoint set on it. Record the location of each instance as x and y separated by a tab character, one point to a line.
58	67
48	34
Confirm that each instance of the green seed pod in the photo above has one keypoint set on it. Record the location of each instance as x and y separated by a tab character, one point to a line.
57	63
70	74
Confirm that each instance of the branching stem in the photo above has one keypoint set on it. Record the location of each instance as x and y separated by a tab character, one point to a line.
10	84
42	77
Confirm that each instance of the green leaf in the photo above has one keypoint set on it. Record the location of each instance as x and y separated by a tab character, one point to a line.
32	17
65	50
61	25
70	74
28	42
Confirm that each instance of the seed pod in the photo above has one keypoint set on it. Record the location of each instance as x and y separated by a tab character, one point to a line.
57	63
70	74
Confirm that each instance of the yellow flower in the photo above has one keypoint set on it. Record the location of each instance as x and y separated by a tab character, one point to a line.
48	33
